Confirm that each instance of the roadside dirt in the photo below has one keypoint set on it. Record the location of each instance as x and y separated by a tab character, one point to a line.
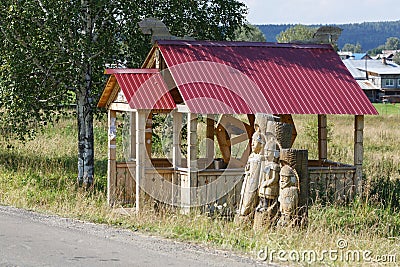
31	239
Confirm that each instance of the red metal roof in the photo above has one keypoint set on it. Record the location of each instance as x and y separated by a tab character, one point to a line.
244	77
143	88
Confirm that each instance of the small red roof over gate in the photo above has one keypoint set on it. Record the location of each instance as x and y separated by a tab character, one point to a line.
143	88
245	77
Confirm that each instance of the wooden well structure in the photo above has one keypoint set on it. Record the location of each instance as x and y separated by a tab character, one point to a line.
213	81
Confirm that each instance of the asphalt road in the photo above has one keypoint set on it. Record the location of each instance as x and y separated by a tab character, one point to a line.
32	239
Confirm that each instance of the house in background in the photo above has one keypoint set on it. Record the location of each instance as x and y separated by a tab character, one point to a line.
382	74
350	55
387	54
371	90
358	56
345	54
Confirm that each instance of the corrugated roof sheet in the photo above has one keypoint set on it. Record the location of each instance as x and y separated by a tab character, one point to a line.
143	88
244	77
355	72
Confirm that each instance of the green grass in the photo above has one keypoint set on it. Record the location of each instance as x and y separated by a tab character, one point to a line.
40	175
387	109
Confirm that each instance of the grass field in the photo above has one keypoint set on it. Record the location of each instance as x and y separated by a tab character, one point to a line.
388	109
40	175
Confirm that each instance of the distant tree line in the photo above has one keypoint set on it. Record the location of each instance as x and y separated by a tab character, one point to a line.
300	33
368	34
392	43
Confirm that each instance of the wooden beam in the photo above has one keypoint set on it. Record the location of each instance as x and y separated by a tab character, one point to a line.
132	132
322	138
250	132
112	162
232	124
157	59
176	140
223	142
228	125
287	118
149	133
187	197
210	132
192	143
104	100
176	154
238	139
121	107
141	117
183	108
358	152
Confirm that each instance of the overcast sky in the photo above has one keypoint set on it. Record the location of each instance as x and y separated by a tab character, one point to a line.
321	11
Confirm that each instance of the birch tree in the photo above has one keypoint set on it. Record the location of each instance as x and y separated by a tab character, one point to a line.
53	53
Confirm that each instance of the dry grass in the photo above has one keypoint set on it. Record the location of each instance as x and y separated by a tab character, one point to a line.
41	174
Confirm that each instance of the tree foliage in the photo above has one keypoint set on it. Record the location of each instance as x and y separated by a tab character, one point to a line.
296	33
249	33
392	43
53	53
396	58
355	48
377	50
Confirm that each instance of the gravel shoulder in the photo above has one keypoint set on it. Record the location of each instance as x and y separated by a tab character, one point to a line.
32	239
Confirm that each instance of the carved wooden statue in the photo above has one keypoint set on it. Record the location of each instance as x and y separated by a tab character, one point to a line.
248	198
269	184
288	196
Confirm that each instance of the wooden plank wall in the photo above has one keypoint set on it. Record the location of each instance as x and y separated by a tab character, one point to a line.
157	184
331	186
125	183
219	188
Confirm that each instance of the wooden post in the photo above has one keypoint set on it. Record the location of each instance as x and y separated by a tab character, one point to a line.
358	152
132	152
322	138
140	153
176	154
210	137
187	197
112	161
287	118
149	133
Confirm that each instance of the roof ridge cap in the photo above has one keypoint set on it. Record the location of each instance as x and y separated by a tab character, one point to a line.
211	43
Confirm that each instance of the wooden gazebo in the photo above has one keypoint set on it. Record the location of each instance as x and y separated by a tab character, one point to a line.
218	79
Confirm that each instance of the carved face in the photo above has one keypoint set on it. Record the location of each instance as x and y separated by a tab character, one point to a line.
257	142
285	181
271	151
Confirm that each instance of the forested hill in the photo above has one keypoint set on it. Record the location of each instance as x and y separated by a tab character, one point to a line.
368	34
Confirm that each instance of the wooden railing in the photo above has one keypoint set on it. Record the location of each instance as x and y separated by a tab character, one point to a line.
331	182
215	187
220	187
